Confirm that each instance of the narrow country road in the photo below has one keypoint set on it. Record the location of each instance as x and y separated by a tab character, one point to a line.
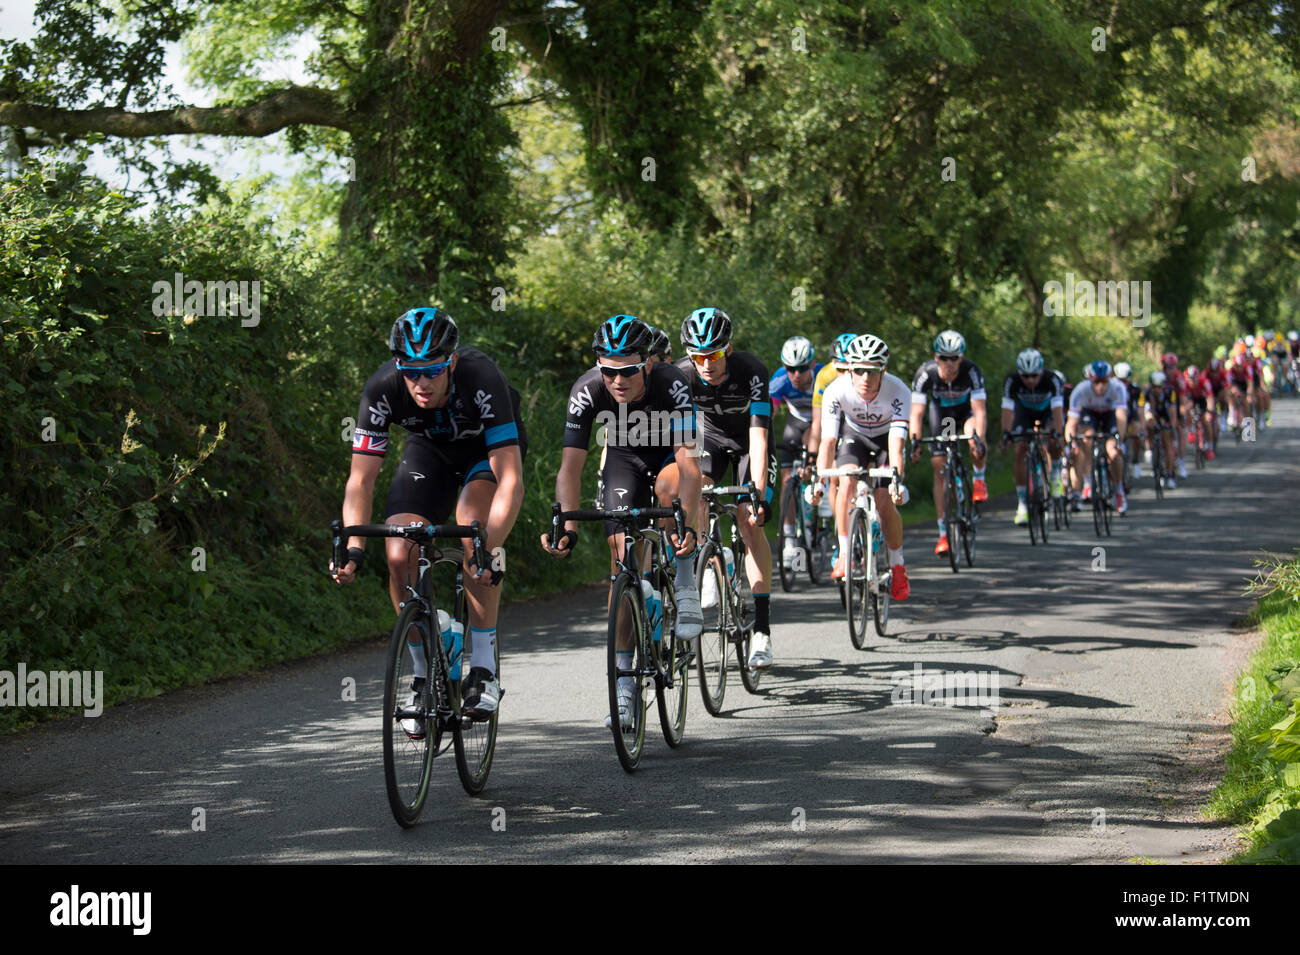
1114	692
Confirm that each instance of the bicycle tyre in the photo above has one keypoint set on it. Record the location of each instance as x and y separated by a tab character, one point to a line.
624	607
1104	477
857	571
1097	499
675	663
711	656
952	516
970	515
1157	464
788	500
1031	496
819	550
743	625
475	741
408	763
880	595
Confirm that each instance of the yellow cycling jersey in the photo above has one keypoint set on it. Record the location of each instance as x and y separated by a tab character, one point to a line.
822	382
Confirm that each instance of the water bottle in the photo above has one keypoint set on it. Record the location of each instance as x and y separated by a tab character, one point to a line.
877	536
824	506
653	608
807	504
453	640
731	562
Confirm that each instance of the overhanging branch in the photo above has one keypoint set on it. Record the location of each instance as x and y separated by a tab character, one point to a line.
294	106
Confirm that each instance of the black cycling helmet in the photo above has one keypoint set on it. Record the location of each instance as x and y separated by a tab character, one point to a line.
423	334
661	345
622	336
706	329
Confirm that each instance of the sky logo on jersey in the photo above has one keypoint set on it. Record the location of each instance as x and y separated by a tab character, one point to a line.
579	402
379	413
680	392
482	399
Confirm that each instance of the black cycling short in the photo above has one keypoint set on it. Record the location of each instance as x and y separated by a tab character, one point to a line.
1103	422
791	447
628	480
1025	419
430	476
1201	405
863	452
719	458
938	415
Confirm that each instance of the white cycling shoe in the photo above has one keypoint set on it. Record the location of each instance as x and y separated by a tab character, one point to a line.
760	651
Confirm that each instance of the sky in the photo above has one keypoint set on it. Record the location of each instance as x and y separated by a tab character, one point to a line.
229	157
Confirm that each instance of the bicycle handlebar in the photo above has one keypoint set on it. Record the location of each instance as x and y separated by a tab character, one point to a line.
413	532
622	515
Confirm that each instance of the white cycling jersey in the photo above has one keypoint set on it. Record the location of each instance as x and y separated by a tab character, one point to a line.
871	419
1083	398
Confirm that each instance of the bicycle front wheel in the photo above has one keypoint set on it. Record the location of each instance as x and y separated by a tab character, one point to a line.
857	577
475	741
711	656
412	730
743	623
952	516
627	621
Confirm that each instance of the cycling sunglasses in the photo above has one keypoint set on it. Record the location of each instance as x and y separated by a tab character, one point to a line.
416	372
703	358
796	369
620	371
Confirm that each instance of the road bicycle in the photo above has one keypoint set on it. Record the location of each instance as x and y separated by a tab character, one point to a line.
867	575
419	713
1039	497
1160	471
1101	489
660	656
814	534
730	620
961	514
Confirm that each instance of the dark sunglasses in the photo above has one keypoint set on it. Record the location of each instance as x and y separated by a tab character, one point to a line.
416	372
620	371
796	369
950	358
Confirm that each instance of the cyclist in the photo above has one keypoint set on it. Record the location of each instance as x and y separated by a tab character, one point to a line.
864	424
1132	440
661	348
793	384
1200	391
1099	408
952	387
1029	398
1174	378
730	390
1242	387
1160	406
464	456
829	373
642	464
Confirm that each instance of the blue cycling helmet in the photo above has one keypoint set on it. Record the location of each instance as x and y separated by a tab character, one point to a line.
423	334
841	343
622	336
706	329
1098	371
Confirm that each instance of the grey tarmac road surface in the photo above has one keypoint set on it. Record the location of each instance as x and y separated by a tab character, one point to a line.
1114	692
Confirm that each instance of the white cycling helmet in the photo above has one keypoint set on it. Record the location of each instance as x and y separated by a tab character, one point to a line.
1029	362
1293	335
866	350
1123	370
796	351
1158	379
949	343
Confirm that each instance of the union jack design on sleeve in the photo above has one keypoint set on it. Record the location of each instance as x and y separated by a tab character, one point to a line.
365	443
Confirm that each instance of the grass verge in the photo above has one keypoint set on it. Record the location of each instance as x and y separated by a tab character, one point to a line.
1261	788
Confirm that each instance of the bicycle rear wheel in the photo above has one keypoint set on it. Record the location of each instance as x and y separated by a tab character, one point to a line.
857	582
475	741
626	618
952	516
1200	445
880	593
743	624
408	757
1158	465
789	499
711	657
674	677
819	549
